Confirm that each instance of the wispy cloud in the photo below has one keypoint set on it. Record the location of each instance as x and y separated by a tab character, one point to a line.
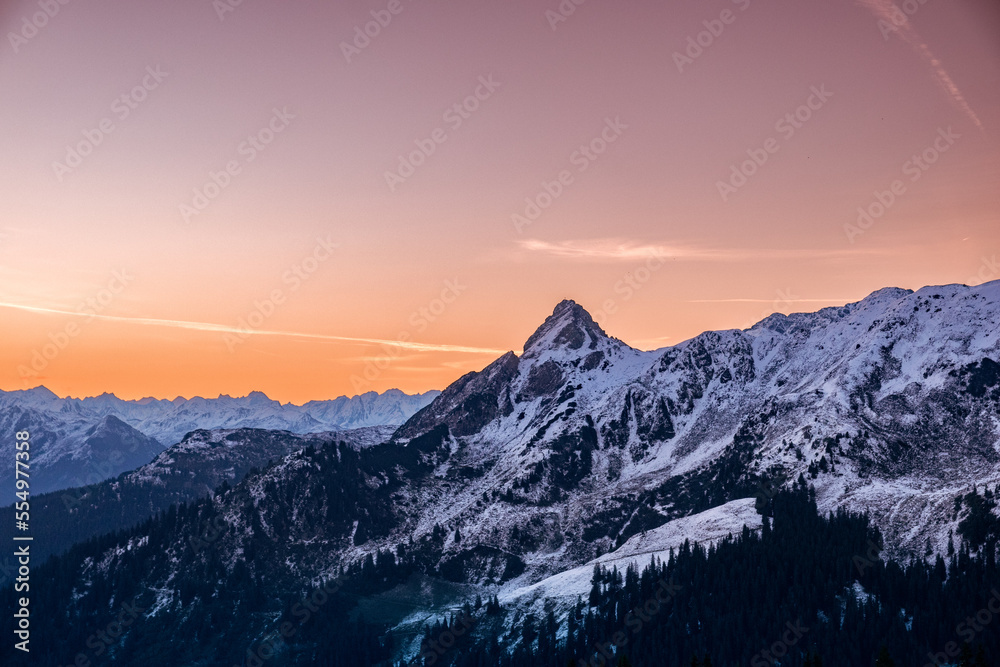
885	10
599	249
623	250
225	329
774	301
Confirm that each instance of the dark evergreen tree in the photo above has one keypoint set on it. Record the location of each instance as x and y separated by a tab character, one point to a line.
883	659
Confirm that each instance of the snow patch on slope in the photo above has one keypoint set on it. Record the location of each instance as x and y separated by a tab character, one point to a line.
705	528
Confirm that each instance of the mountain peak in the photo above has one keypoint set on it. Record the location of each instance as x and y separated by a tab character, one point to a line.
42	392
108	424
568	305
569	326
887	295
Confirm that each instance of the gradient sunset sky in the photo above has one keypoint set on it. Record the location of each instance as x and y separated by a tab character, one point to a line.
311	274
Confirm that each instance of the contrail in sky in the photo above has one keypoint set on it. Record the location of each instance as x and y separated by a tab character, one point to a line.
886	11
221	328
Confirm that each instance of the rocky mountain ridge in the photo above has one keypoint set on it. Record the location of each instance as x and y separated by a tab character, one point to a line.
584	450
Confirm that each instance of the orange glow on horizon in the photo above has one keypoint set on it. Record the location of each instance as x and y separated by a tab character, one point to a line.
401	214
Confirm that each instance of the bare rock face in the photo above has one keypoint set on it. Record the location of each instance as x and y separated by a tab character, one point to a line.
471	402
543	380
567	339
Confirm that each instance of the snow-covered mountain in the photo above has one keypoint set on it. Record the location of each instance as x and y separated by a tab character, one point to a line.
891	405
66	452
581	450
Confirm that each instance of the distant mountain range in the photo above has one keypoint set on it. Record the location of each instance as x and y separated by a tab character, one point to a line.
77	442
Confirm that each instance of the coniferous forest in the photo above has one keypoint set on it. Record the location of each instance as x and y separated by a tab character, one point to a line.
807	590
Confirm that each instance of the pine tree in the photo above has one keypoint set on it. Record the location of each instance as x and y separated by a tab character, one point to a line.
595	588
812	661
883	659
965	658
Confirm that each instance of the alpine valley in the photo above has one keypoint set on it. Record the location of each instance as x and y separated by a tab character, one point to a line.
817	489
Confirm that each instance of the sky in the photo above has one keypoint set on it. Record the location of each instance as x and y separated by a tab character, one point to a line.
313	199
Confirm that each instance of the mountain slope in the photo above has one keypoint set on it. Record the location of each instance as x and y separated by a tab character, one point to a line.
191	469
894	396
91	454
544	462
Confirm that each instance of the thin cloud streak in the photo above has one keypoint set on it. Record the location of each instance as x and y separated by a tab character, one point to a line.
619	250
886	11
779	300
221	328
